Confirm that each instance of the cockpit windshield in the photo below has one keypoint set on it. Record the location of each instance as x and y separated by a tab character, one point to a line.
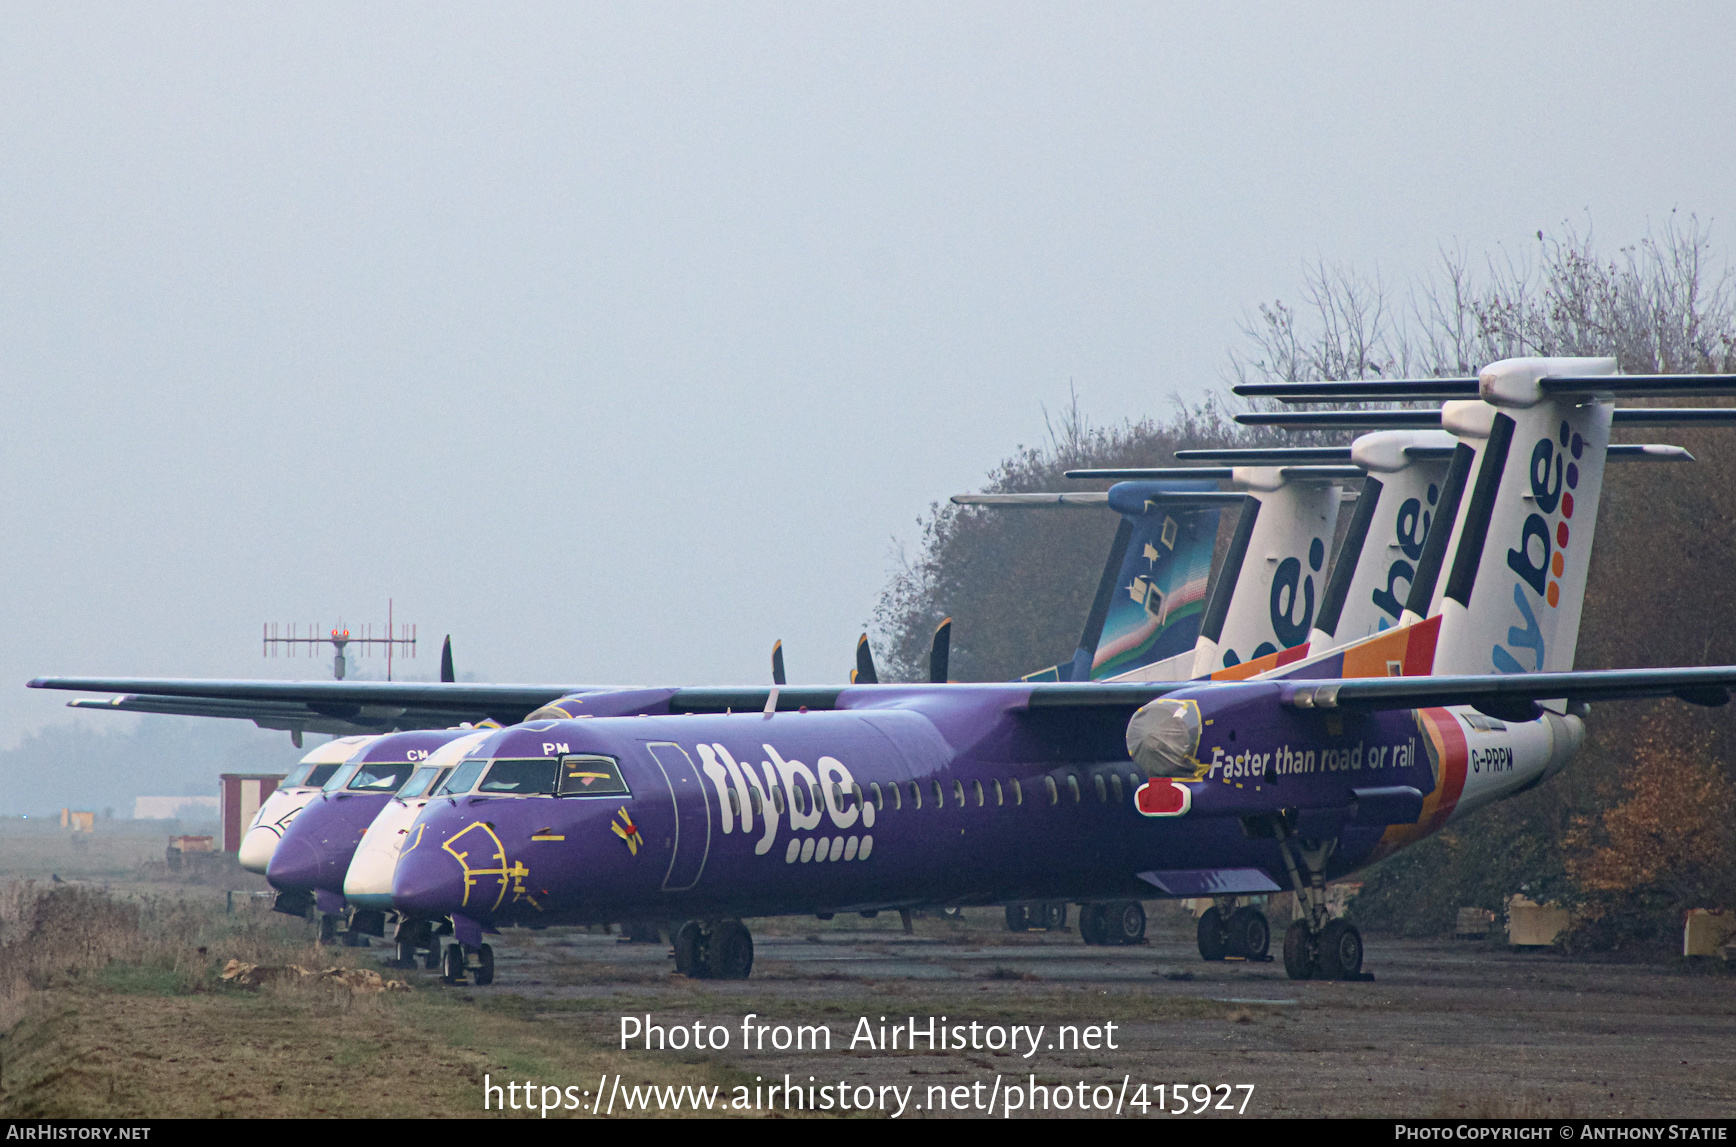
463	777
296	778
381	777
340	777
521	777
422	782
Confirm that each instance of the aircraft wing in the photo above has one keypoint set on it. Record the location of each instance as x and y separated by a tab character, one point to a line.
317	706
1515	693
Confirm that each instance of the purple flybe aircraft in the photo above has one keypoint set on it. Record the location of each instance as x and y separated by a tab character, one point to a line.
718	804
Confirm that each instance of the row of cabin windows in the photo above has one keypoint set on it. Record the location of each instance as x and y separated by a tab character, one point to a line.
896	795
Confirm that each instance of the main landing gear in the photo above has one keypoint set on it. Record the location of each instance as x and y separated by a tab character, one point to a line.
1112	922
454	968
1316	947
1036	915
1227	931
411	937
714	950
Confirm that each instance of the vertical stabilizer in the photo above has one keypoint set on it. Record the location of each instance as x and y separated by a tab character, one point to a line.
1275	572
1511	597
1155	603
1376	563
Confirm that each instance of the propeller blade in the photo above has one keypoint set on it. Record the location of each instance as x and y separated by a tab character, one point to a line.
446	673
865	674
940	653
778	663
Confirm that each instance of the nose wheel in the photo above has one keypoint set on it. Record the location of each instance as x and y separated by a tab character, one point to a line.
714	951
453	967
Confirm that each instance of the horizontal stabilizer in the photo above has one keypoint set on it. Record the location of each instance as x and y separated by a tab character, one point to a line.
1642	385
1361	390
1100	499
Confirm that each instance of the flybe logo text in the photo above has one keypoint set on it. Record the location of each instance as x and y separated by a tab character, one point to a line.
1540	558
807	795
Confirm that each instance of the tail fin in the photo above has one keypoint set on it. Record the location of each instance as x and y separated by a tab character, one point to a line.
1275	569
1151	602
1512	597
1376	564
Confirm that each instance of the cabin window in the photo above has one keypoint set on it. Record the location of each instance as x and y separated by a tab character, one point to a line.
958	792
1073	787
594	777
897	797
753	799
915	795
1054	794
778	798
799	799
819	797
734	803
1102	789
1115	779
939	795
1000	797
978	787
856	795
879	797
462	778
1018	792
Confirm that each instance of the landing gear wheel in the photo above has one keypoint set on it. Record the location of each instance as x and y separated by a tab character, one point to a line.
731	951
1054	915
404	955
1018	917
1091	924
431	958
1248	935
1125	923
328	928
691	957
1212	941
1299	952
452	964
1340	956
484	973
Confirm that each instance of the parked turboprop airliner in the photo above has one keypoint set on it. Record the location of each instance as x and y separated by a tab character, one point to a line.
728	803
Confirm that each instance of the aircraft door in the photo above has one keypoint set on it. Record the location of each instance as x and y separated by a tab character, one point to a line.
692	836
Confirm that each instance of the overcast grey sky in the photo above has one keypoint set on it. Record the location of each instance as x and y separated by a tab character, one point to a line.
618	340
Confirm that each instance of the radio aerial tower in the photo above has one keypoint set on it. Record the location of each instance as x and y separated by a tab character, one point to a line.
396	637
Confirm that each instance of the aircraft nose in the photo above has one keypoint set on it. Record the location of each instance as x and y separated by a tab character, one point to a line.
427	883
257	848
294	864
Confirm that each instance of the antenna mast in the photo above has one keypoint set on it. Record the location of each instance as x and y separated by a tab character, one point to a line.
340	639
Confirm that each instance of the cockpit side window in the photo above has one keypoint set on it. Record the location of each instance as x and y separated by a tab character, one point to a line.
521	777
381	777
297	778
463	777
592	777
320	774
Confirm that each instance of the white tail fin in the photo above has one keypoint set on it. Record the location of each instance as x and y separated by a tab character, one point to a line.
1376	564
1511	598
1274	574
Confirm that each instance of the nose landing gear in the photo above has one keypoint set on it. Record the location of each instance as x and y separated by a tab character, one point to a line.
453	968
721	950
